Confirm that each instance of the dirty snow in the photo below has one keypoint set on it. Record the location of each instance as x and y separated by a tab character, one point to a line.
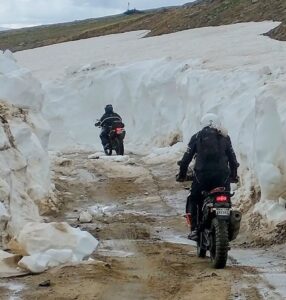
24	165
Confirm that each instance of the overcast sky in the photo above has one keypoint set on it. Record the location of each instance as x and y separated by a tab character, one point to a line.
20	13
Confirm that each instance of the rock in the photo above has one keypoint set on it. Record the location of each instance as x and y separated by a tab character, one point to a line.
45	283
65	162
85	217
96	155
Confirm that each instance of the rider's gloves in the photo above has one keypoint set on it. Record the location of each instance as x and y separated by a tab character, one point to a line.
97	124
234	179
233	176
179	178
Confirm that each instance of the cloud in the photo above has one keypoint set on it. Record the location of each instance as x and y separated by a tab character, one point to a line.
28	12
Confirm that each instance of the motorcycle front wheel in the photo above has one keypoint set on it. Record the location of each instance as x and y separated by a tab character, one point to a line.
219	243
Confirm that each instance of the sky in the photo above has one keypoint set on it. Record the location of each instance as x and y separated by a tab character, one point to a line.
22	13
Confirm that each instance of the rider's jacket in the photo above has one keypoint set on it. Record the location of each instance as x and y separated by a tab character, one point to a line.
225	164
109	118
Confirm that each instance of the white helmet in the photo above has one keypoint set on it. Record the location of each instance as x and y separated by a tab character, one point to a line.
211	120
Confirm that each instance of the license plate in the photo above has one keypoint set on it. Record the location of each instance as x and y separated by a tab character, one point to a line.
223	211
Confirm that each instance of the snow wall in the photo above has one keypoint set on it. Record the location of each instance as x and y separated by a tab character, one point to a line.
162	86
163	100
24	134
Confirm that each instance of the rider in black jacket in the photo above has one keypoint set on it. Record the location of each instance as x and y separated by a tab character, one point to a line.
216	165
106	122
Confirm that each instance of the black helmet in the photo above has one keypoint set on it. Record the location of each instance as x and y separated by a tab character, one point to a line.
108	108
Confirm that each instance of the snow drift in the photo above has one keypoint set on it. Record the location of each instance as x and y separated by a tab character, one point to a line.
24	164
232	71
49	245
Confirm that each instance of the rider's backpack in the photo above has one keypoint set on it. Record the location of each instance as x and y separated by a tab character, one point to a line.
209	145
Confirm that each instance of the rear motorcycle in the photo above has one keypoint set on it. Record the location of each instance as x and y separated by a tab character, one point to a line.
116	136
218	225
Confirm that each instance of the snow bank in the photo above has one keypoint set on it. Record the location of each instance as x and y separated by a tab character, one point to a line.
25	187
162	86
24	134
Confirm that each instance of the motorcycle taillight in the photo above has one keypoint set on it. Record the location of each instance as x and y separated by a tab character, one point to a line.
118	130
221	198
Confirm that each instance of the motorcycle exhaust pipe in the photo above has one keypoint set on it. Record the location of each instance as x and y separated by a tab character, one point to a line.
234	226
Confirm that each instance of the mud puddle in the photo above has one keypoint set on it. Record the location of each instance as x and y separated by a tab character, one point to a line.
11	290
271	267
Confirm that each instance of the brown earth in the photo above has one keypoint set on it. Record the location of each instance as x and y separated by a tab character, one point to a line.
161	21
143	252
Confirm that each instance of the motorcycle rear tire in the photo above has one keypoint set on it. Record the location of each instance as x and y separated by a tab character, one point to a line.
219	243
119	148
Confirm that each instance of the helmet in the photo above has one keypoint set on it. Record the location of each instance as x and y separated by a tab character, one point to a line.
108	108
211	120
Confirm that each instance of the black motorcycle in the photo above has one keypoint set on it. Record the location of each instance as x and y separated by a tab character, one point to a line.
218	225
116	136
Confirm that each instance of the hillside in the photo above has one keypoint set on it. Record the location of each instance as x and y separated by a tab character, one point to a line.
161	21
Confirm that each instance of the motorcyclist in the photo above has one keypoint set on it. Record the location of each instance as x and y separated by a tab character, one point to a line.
215	166
106	122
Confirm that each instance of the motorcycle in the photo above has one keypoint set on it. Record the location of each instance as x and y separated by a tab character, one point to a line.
116	136
218	225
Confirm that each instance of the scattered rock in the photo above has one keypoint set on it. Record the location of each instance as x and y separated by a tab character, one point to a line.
85	217
93	157
45	283
65	163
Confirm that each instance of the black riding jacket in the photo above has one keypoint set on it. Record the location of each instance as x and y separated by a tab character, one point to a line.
109	118
227	164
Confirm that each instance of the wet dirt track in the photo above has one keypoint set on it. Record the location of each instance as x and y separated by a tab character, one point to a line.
143	254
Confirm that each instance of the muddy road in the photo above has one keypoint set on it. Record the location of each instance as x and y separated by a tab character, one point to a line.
137	210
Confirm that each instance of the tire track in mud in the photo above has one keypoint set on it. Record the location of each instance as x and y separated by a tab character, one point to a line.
139	225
